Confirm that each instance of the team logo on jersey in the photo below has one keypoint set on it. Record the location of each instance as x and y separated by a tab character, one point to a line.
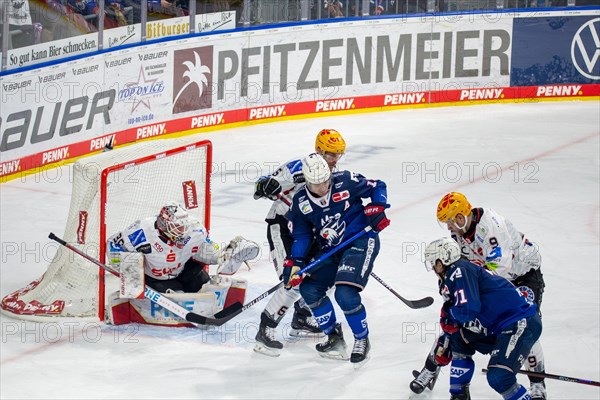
137	237
527	293
333	231
337	197
305	207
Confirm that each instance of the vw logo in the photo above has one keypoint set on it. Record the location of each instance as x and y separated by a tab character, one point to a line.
586	58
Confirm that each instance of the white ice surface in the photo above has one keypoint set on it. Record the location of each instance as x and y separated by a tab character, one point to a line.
537	164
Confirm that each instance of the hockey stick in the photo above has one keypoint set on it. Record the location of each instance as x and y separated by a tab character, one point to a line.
150	293
421	303
232	311
558	377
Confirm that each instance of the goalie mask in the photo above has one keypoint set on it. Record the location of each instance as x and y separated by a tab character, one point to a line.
317	174
173	221
446	250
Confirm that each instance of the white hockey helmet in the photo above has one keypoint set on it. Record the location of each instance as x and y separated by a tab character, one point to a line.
445	249
316	172
173	221
315	169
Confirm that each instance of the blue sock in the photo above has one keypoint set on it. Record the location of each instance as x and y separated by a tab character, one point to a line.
325	316
358	323
520	394
461	372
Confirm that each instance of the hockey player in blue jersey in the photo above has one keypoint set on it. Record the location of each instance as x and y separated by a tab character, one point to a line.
330	207
491	241
280	187
490	316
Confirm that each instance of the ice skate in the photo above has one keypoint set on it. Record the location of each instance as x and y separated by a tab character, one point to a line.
303	325
537	391
465	395
335	346
266	343
424	379
360	352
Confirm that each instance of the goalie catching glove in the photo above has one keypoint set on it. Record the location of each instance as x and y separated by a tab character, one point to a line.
375	213
291	267
267	187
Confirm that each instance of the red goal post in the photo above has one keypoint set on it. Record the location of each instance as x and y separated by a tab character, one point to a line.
110	191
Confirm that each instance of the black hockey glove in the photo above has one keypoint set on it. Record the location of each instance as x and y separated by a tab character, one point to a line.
267	187
375	213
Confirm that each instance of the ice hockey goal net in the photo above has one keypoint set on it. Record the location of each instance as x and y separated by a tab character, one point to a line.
110	191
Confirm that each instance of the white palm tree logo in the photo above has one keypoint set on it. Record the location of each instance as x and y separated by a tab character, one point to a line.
196	73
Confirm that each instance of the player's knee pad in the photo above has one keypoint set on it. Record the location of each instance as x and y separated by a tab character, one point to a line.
501	379
348	297
461	372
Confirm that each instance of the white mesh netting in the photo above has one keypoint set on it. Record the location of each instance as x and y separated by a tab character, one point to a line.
69	288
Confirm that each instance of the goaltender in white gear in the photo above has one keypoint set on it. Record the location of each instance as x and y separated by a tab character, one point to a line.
176	248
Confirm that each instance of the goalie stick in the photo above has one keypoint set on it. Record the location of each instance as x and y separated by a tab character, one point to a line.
558	377
152	294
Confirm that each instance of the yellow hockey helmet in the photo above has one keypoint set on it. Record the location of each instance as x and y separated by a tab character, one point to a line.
451	205
330	141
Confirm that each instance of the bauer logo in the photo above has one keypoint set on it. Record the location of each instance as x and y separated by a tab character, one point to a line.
189	194
585	49
81	227
192	79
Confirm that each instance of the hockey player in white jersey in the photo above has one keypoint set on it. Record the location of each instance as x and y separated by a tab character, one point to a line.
285	182
176	249
490	241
